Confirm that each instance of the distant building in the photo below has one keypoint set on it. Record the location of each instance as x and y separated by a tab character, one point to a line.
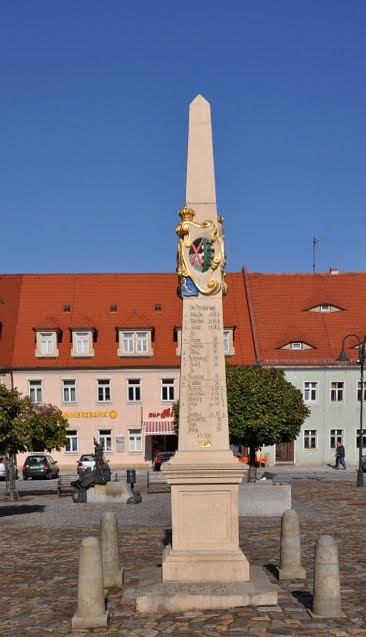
105	348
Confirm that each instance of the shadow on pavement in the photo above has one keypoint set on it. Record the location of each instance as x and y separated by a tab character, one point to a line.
304	597
20	509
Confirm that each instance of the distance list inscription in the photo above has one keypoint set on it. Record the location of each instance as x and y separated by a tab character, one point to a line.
203	410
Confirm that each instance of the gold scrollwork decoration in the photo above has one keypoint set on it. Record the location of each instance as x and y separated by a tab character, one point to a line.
211	234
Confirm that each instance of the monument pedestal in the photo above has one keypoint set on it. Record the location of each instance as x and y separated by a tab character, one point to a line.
204	523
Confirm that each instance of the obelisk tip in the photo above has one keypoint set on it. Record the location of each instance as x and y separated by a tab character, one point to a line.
200	98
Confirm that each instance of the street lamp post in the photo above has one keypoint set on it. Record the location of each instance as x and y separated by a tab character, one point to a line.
361	360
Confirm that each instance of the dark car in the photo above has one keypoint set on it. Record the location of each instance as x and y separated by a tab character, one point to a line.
86	461
363	464
162	456
40	465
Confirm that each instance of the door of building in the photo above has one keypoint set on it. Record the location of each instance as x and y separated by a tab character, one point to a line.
285	452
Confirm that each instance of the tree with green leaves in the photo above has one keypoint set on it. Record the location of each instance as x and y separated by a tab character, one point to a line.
28	426
263	408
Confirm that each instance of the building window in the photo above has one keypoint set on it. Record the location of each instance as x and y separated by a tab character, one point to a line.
104	390
229	349
335	435
134	390
69	391
141	342
359	391
134	343
311	392
35	390
72	443
296	345
105	439
46	344
310	438
82	343
134	440
336	392
167	389
358	438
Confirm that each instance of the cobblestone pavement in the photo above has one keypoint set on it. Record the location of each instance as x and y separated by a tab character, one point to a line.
41	536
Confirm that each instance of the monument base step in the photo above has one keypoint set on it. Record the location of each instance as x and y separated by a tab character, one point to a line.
153	595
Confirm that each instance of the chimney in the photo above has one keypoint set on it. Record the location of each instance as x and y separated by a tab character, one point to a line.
333	271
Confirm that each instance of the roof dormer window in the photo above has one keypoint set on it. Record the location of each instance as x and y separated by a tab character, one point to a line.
297	345
47	342
325	307
82	342
134	342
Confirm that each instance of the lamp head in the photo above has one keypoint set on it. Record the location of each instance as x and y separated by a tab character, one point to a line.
343	356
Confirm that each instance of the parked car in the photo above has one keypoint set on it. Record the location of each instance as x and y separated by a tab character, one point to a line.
86	461
40	465
162	456
3	468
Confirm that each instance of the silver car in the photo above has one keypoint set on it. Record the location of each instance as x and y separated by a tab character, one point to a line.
86	461
3	468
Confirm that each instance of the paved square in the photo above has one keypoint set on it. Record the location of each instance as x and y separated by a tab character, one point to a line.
41	536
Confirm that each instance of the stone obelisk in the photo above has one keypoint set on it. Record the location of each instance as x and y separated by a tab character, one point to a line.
204	475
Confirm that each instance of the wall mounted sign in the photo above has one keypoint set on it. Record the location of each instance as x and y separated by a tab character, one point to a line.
167	413
91	414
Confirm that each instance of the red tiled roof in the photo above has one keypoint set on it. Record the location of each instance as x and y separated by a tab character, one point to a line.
42	301
10	286
280	302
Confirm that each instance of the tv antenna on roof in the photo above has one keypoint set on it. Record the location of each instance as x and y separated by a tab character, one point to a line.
315	241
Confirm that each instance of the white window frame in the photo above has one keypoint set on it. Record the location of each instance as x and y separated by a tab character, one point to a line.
311	391
134	343
167	390
296	345
135	385
336	391
72	437
104	390
105	439
335	435
82	343
310	435
134	441
35	390
51	351
68	385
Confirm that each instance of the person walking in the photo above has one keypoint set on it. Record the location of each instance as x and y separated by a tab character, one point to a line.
340	455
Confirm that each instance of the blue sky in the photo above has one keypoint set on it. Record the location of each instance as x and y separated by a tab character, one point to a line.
94	103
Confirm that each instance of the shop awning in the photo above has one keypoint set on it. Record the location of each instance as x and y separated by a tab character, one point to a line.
159	428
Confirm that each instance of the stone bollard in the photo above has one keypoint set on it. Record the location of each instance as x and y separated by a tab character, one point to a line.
326	594
112	572
91	612
290	560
